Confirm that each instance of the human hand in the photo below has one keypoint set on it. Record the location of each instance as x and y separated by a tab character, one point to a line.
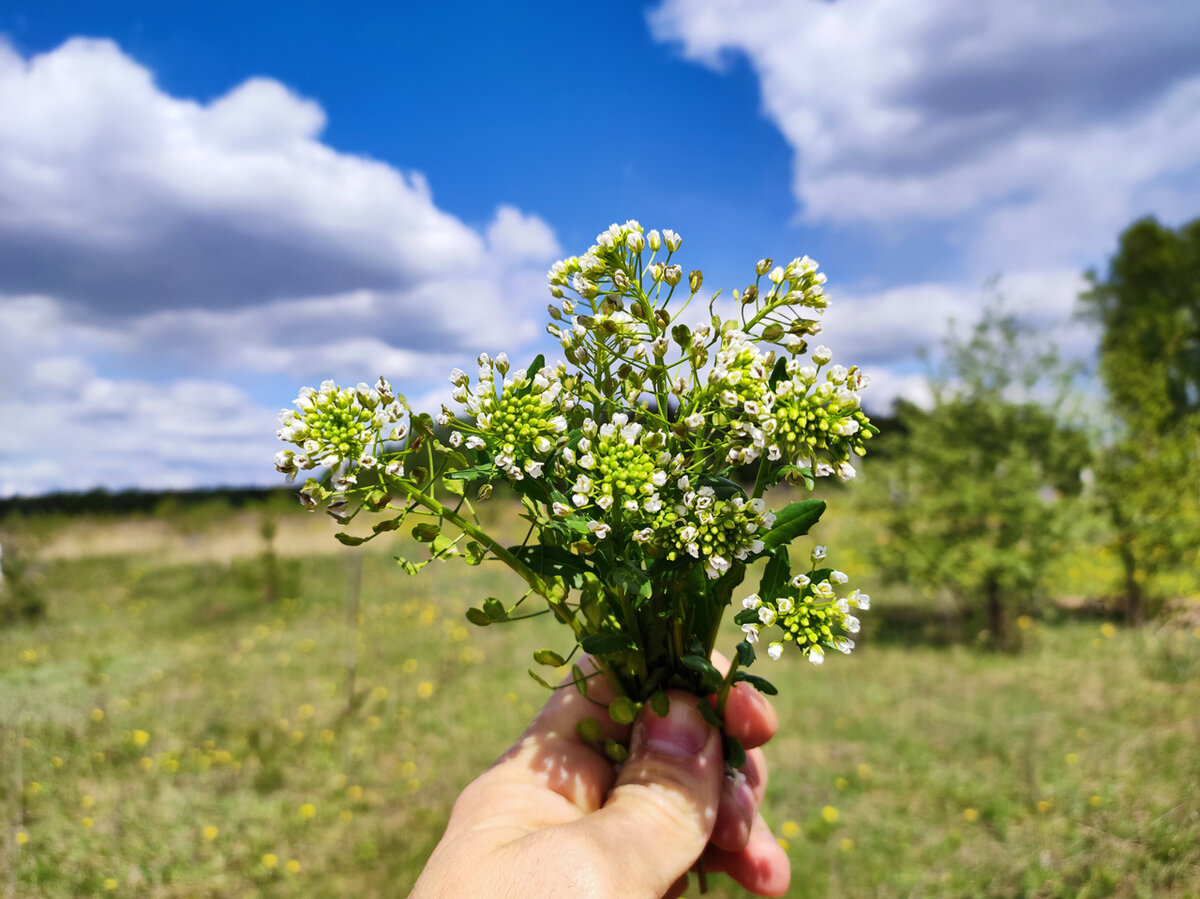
554	817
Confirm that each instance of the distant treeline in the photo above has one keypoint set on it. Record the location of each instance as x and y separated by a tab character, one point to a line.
125	502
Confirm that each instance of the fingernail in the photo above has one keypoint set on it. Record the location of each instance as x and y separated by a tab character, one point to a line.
683	732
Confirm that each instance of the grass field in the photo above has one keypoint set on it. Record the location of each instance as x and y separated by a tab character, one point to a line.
167	732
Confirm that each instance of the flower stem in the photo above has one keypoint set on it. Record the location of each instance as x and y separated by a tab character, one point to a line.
527	574
727	684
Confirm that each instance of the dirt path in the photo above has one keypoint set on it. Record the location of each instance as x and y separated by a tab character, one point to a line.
236	536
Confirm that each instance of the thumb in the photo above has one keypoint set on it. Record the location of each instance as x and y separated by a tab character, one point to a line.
661	811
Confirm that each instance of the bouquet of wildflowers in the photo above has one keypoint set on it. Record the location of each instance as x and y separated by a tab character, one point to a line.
642	464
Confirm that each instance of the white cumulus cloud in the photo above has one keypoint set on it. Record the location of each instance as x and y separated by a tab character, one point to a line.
163	259
1044	127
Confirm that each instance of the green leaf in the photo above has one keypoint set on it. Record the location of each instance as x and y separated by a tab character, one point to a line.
390	524
540	680
735	753
631	580
605	644
745	654
711	675
477	472
589	600
589	730
622	710
494	609
793	520
348	539
746	616
455	459
454	485
425	532
776	574
761	684
475	553
660	702
779	372
709	714
615	750
722	487
550	561
478	617
549	657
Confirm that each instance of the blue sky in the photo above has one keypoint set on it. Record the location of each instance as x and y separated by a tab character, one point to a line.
200	212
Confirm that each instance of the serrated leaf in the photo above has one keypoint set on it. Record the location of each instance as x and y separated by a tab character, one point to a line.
478	617
549	657
761	684
348	539
589	730
793	520
605	644
622	710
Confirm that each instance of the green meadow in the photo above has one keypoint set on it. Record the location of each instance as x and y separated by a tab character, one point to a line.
172	728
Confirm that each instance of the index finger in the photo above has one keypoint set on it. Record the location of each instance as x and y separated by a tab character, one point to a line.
749	716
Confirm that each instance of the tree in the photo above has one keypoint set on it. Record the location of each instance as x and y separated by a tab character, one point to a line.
1148	307
981	484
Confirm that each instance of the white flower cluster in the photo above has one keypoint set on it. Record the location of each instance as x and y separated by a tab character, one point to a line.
799	419
810	614
616	471
520	425
713	530
336	425
584	274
